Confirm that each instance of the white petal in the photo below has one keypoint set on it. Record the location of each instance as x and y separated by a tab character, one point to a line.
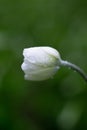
40	63
41	74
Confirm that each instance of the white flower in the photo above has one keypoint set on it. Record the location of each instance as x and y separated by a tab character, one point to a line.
40	63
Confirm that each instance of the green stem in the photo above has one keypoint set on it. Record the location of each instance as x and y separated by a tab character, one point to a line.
74	67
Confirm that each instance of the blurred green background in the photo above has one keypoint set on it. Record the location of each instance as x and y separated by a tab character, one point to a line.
59	103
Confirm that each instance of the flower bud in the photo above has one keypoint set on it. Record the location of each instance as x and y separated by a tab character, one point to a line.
40	63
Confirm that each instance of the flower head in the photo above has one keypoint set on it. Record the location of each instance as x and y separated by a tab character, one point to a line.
40	63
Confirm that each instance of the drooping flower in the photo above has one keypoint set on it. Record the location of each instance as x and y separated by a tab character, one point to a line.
40	63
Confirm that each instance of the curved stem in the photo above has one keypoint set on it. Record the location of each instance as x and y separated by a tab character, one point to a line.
74	67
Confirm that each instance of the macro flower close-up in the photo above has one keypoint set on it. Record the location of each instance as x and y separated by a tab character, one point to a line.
43	65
